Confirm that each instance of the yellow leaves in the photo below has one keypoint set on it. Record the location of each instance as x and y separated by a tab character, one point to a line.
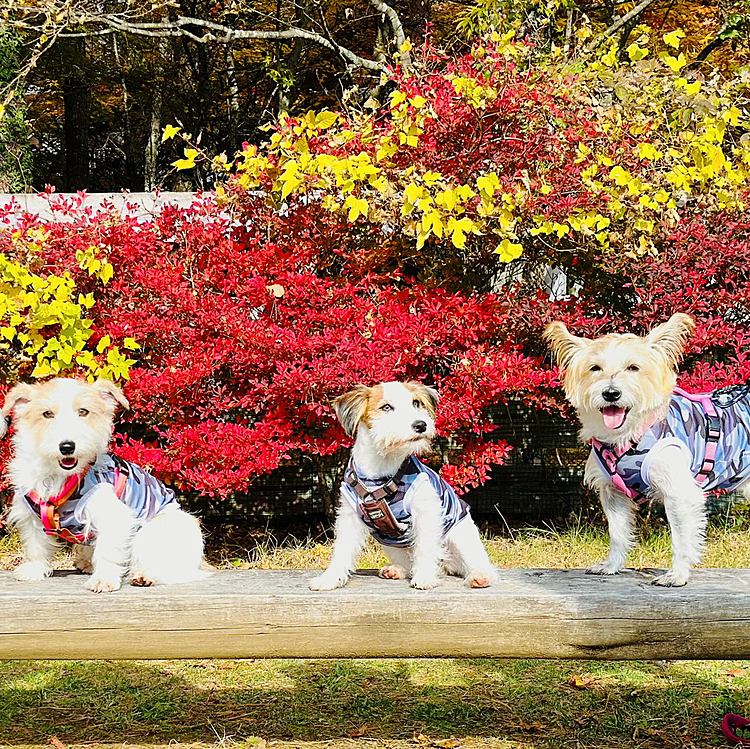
169	132
620	176
508	251
691	87
188	162
447	199
636	52
674	38
387	148
488	184
648	151
459	229
432	222
675	64
357	207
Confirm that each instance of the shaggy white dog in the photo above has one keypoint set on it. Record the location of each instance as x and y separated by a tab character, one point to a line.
387	492
651	440
68	488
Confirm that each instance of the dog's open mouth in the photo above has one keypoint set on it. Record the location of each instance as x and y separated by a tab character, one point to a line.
68	463
614	416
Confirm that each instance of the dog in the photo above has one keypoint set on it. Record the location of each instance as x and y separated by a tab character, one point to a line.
68	488
388	493
651	440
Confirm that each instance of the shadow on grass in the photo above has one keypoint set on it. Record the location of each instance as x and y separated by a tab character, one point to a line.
545	703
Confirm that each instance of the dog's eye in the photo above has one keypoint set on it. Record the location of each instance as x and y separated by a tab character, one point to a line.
386	407
83	412
416	403
49	415
595	368
634	368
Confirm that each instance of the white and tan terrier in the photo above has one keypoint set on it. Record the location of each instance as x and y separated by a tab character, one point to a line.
69	488
651	440
388	493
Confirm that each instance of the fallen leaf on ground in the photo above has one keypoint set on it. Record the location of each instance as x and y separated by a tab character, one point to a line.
581	682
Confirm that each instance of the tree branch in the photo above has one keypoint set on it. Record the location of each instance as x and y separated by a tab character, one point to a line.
398	29
619	23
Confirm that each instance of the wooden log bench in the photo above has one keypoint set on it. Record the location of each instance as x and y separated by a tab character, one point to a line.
272	614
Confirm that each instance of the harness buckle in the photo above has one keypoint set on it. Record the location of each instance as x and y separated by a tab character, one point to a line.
713	428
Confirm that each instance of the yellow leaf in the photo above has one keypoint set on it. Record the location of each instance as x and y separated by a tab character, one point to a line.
169	132
489	183
431	178
103	344
8	332
690	88
673	38
106	273
325	119
675	63
188	162
405	47
508	250
636	53
418	101
620	176
42	369
131	343
648	151
357	207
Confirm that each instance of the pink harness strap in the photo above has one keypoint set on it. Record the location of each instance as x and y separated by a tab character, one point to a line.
49	509
610	454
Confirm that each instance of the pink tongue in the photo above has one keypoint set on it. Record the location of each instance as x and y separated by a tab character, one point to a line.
614	416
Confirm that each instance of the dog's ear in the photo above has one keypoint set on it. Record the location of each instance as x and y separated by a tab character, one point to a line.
670	337
111	393
17	396
564	345
427	394
350	408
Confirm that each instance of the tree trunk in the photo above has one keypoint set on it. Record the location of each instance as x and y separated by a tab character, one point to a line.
154	130
76	101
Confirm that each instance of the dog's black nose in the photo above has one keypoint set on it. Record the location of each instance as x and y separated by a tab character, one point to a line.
67	447
611	395
420	427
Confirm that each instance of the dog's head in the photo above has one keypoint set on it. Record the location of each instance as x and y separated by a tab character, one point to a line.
64	423
617	383
396	417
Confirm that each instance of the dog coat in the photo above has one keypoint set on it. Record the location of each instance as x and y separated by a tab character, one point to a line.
414	476
62	516
713	430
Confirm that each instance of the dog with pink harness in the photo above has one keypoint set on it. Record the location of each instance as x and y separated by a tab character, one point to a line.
651	440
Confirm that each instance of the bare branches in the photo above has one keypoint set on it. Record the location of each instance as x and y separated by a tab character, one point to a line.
203	31
620	22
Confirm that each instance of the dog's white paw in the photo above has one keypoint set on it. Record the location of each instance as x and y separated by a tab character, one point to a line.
424	582
603	569
30	571
327	582
104	583
392	572
477	579
672	579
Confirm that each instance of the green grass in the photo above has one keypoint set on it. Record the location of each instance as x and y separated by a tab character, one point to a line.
384	704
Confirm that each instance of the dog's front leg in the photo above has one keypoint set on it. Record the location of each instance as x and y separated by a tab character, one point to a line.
427	535
685	505
350	534
619	512
38	547
114	527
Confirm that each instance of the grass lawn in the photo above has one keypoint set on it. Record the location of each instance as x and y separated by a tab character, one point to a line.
379	704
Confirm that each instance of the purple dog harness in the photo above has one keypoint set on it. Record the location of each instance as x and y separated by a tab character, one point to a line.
384	504
713	429
62	515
